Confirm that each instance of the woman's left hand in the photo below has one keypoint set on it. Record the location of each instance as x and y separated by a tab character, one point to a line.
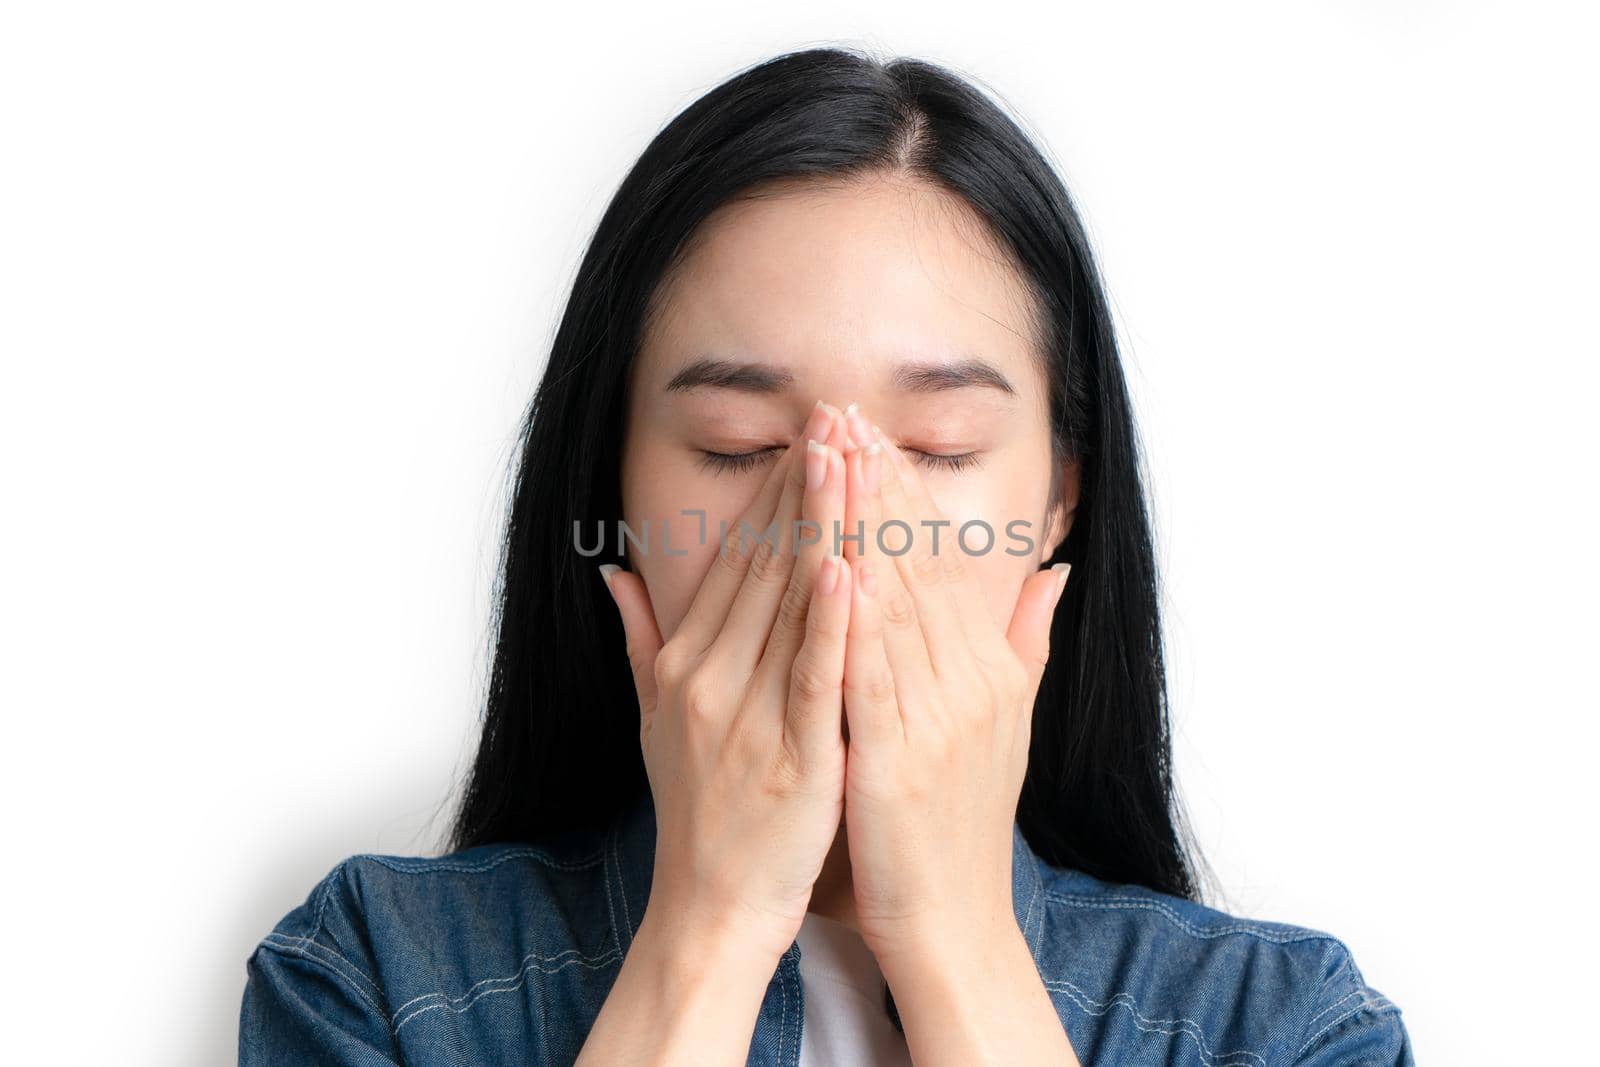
938	705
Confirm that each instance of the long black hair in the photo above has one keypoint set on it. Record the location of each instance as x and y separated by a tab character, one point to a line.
560	742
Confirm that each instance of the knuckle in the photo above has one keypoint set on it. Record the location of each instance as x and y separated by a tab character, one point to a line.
948	739
879	688
794	607
734	556
669	666
809	682
767	562
698	698
898	609
927	568
954	567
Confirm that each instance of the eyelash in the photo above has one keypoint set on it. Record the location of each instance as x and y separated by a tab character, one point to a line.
723	462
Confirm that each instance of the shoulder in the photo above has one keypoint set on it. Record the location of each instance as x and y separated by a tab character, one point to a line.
1141	967
423	895
391	947
367	897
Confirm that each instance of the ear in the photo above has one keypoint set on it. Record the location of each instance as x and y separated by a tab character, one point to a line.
1058	523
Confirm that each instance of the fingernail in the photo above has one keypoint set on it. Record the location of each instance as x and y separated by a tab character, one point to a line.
606	571
828	577
1061	570
883	440
869	581
860	429
816	464
819	423
871	456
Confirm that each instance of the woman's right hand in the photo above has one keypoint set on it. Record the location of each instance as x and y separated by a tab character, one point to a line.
741	715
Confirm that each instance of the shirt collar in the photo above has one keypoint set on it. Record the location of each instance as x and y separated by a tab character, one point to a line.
630	865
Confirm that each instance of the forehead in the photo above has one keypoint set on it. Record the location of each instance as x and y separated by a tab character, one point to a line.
842	281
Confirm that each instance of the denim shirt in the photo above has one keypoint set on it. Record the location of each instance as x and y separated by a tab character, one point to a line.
505	953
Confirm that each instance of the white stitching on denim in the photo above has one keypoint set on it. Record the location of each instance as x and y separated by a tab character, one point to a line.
427	865
1331	1007
603	957
521	980
291	942
1379	1003
323	891
1039	888
1033	898
322	897
1252	929
783	1025
1187	1027
300	949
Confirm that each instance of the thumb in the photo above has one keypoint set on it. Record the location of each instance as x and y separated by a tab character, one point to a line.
644	638
1029	632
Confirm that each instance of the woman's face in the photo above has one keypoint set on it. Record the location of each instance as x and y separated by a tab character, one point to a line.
887	293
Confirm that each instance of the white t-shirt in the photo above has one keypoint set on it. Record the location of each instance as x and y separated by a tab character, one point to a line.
845	1022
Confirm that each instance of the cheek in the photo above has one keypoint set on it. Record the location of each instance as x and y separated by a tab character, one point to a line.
989	553
655	503
672	582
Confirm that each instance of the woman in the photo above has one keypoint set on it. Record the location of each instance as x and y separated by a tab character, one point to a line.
844	769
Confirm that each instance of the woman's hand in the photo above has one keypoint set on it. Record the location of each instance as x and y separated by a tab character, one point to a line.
939	707
740	711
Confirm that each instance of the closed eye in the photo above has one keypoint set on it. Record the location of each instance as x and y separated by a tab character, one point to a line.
735	462
942	461
738	462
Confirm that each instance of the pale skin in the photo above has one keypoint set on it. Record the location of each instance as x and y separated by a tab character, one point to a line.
846	736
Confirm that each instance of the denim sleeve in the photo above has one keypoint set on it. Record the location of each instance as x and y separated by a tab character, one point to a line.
1353	1025
307	1001
1365	1039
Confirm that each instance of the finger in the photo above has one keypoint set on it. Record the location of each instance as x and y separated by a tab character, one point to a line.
765	592
730	568
871	702
821	509
814	716
930	569
1029	631
855	515
643	636
903	640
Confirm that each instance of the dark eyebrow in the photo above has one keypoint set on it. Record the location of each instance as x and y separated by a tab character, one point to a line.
913	377
931	377
728	374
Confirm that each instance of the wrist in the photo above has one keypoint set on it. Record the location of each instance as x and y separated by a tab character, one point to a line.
960	927
959	984
975	942
976	998
685	945
687	993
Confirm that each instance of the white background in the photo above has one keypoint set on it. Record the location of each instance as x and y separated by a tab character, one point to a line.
277	283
